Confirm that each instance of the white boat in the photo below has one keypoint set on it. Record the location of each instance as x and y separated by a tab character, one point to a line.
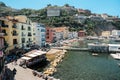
116	56
94	54
118	64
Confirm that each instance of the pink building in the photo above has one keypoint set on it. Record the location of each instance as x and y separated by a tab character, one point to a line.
50	35
81	33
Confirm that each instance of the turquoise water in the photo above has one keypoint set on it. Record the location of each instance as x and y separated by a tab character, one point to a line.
84	66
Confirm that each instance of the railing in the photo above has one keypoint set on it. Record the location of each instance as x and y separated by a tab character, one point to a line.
69	48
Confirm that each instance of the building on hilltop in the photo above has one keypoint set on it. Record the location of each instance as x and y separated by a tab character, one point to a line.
116	33
81	33
106	34
53	11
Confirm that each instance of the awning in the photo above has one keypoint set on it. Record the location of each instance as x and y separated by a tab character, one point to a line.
32	55
26	58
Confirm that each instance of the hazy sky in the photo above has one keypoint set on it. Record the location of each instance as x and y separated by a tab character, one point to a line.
111	7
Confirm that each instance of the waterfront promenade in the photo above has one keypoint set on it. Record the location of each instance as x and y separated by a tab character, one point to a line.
22	73
70	48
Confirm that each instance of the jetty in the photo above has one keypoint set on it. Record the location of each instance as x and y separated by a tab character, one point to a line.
71	48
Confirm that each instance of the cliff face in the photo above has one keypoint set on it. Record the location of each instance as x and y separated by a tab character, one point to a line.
104	27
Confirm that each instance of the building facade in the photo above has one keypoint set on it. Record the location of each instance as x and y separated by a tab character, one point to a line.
73	35
106	33
81	33
116	33
50	35
10	30
25	31
2	70
40	34
54	34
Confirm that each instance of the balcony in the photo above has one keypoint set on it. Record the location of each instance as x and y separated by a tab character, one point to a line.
4	25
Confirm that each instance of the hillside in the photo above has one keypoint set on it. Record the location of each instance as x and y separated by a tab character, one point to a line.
65	18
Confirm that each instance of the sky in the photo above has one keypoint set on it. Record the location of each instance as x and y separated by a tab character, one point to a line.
111	7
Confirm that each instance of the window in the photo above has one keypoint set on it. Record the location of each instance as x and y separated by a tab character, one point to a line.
14	41
14	33
14	26
22	27
29	28
23	40
29	34
4	31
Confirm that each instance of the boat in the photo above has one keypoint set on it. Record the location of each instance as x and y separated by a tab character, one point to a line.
118	64
94	54
34	57
116	56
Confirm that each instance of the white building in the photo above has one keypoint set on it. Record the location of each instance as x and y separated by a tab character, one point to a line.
114	47
73	35
116	33
80	18
40	32
58	36
25	31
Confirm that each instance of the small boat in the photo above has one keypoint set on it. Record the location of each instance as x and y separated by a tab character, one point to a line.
94	54
118	64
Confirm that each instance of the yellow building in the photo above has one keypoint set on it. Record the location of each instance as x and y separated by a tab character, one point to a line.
10	31
105	33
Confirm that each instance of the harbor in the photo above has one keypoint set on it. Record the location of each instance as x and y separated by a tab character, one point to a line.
84	66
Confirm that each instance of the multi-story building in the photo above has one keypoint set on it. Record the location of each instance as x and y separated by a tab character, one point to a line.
73	35
25	31
63	30
1	54
53	11
105	33
40	34
81	33
54	34
80	18
116	33
10	30
50	35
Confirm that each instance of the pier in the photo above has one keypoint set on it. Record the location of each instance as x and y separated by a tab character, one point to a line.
72	49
